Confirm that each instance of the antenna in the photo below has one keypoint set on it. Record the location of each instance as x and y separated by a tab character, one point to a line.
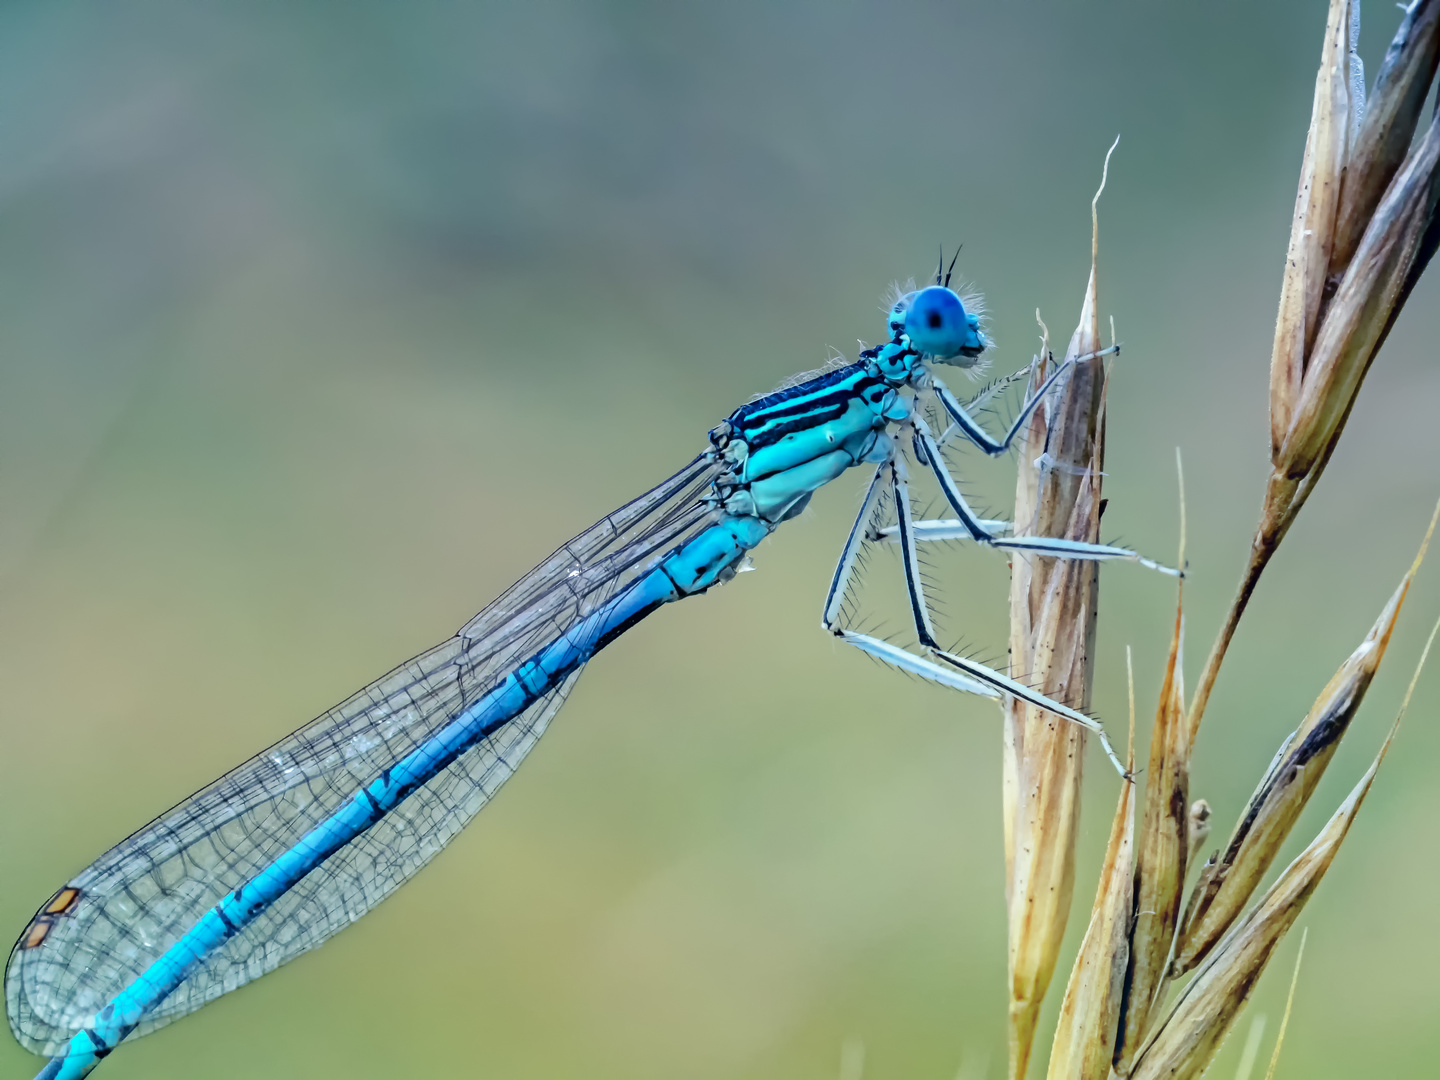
952	265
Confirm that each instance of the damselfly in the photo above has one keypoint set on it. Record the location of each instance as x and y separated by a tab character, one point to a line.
298	842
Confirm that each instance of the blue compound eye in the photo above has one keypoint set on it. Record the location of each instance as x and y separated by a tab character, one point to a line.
938	326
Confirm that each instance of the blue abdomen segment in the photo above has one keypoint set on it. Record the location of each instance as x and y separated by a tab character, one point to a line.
706	560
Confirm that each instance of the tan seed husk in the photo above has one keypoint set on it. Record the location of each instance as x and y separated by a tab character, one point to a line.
1188	1039
1360	315
1049	773
1186	1042
1384	136
1312	228
1052	633
1397	236
1027	496
1226	884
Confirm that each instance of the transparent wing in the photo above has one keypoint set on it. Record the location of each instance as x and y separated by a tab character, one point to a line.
117	917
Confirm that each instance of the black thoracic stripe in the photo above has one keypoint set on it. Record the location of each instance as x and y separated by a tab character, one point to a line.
794	403
770	430
829	378
800	398
802	415
754	421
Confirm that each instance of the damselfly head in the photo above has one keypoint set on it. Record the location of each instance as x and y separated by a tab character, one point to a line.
940	328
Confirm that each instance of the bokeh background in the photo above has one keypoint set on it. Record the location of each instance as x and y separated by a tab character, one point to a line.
321	324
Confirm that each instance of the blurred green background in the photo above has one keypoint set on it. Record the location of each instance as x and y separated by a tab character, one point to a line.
320	324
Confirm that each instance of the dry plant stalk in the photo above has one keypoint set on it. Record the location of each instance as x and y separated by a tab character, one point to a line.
1096	1021
1052	634
1364	228
1185	1043
1213	934
1090	1011
1227	881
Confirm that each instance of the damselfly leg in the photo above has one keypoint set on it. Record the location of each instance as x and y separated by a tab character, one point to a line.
957	672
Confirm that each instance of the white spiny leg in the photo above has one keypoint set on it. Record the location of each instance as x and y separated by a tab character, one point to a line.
891	472
840	583
930	454
862	531
1078	549
916	665
919	607
1005	684
954	529
960	674
970	427
996	388
975	670
970	525
944	529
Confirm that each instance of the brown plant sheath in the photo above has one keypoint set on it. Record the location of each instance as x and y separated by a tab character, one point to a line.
1052	631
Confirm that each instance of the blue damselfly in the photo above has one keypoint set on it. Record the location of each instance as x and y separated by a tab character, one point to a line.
296	843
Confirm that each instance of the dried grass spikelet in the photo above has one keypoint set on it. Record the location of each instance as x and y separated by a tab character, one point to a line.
1093	1025
1185	1043
1382	140
1164	849
1090	1011
1311	233
1364	229
1052	633
1227	882
1360	315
